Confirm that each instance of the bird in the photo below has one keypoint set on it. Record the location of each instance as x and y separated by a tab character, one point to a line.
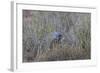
57	36
56	39
51	40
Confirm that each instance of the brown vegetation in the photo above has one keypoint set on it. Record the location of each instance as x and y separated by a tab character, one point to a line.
37	26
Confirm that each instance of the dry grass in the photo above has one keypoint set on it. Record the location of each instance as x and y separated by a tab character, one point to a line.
37	26
65	53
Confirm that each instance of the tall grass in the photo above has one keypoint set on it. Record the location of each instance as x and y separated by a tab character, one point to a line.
37	26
